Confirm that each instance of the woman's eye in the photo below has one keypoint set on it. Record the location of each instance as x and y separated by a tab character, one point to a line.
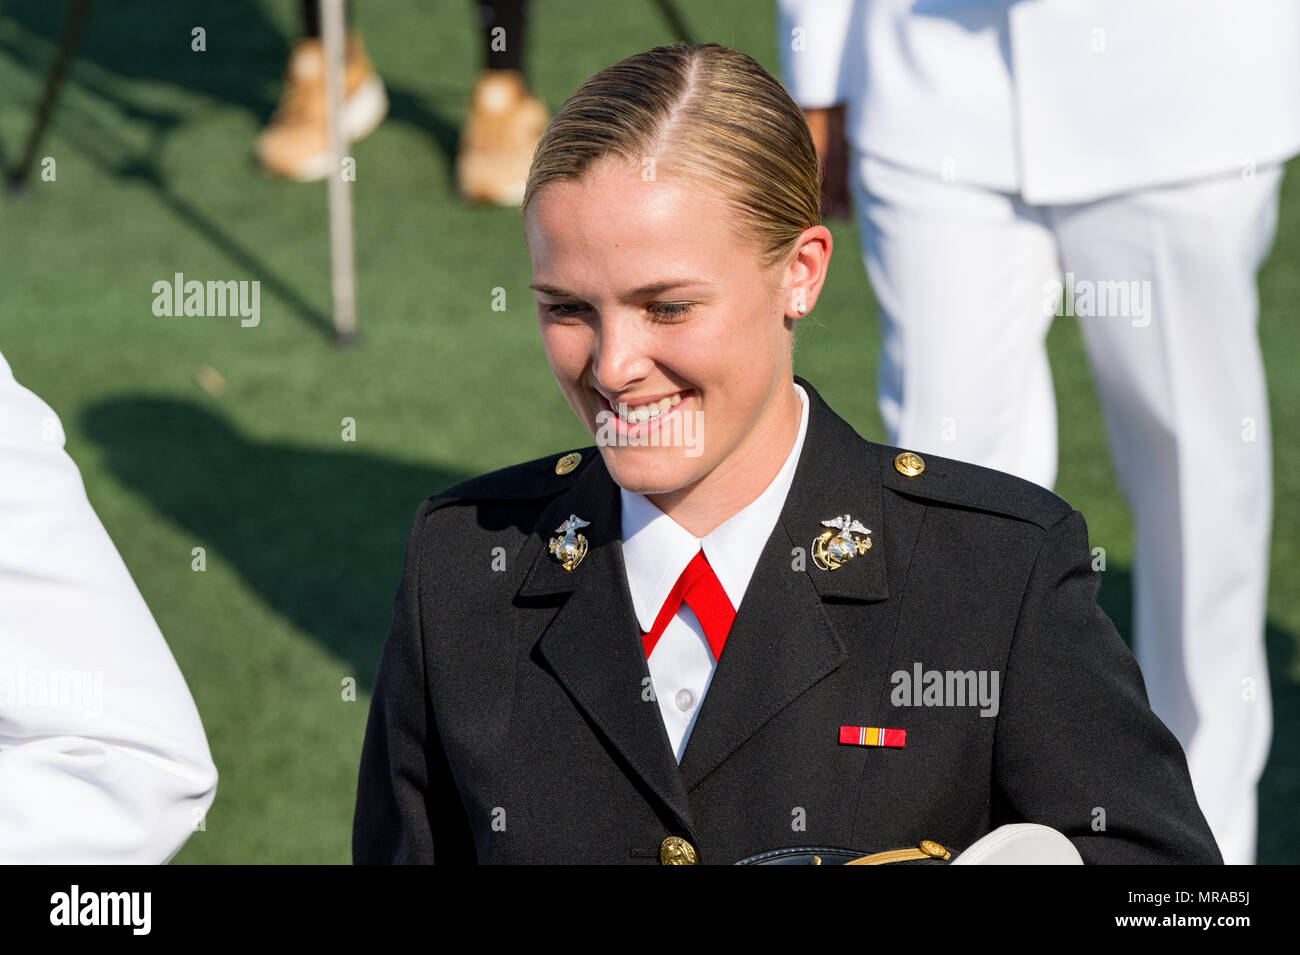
660	310
670	309
563	310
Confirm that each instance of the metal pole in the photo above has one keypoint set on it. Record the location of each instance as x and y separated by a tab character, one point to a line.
342	261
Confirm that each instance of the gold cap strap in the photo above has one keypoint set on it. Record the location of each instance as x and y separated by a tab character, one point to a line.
926	850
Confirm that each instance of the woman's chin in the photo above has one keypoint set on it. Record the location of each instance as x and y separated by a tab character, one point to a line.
650	471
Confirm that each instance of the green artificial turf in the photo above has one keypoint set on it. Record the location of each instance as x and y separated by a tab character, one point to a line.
304	531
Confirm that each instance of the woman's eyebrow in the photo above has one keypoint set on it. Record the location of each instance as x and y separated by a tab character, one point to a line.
652	289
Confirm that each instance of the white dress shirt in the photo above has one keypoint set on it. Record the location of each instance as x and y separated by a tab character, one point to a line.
103	758
656	549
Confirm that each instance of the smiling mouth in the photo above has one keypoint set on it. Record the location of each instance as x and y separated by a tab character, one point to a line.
642	411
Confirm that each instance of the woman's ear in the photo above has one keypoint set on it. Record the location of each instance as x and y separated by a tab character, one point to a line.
806	270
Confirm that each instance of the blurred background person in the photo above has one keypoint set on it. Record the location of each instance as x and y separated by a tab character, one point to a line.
295	142
103	757
1137	148
504	121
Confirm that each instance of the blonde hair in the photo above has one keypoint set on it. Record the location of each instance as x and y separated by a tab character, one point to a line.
703	111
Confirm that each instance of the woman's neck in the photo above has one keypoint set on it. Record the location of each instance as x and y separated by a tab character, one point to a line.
739	480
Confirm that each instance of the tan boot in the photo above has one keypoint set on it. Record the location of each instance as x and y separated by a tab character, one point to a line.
295	143
497	142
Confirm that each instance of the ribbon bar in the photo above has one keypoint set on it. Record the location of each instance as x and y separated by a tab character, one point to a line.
872	736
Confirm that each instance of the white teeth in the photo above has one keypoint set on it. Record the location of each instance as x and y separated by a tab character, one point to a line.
647	411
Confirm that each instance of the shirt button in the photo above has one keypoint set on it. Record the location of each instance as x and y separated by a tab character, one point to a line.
685	700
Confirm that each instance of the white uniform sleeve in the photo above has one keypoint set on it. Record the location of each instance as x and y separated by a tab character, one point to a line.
813	37
103	758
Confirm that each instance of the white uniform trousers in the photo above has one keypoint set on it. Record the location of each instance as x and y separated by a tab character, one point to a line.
964	278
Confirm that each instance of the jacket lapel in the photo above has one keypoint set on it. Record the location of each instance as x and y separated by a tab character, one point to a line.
780	644
593	642
782	641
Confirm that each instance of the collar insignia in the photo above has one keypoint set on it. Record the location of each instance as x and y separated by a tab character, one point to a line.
572	547
832	551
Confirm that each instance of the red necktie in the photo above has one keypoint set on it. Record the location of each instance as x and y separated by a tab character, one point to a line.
700	588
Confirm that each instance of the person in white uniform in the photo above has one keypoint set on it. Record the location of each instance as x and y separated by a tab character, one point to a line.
103	758
1129	156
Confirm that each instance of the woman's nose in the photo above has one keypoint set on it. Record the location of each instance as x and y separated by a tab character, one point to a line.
622	355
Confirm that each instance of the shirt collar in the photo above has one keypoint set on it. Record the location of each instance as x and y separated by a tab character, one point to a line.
656	549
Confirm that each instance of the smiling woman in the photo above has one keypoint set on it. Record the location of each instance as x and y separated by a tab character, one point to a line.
722	352
679	162
660	650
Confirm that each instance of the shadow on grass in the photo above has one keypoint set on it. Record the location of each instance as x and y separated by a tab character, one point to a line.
320	535
115	151
141	41
126	46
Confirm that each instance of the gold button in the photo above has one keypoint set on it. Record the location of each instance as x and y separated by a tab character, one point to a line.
568	463
676	851
933	849
909	464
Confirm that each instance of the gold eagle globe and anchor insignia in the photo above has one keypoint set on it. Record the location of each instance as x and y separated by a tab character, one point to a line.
572	547
831	551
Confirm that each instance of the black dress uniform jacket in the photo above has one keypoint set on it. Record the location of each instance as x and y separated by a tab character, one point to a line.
513	719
